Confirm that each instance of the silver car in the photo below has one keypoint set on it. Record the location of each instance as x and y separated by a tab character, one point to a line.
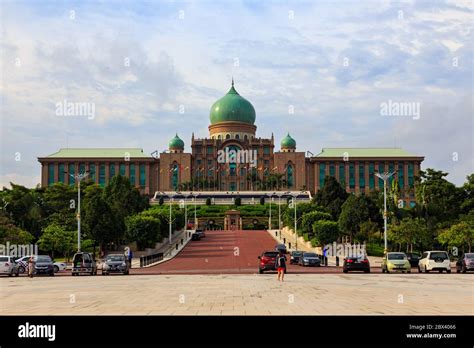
309	259
115	263
8	266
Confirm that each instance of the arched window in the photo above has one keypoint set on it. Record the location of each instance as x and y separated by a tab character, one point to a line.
174	176
289	175
246	137
219	137
227	136
237	136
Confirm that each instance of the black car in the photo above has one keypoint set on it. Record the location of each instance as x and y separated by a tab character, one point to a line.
201	233
195	236
44	265
115	263
309	259
295	257
356	264
413	258
465	263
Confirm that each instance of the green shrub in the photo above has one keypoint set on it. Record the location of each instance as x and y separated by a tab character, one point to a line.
314	242
306	237
374	249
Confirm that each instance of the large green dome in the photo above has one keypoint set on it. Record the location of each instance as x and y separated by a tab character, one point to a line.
176	143
232	107
288	142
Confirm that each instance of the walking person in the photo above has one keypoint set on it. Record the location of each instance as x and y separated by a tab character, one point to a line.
31	266
281	265
130	257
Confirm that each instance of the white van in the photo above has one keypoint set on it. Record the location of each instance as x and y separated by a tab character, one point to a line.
434	261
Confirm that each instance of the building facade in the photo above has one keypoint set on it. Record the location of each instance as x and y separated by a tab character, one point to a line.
232	158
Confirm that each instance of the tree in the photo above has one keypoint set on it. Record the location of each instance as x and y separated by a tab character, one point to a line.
459	235
354	212
55	238
366	231
143	229
13	234
332	196
410	231
124	200
98	218
310	218
437	199
325	231
468	194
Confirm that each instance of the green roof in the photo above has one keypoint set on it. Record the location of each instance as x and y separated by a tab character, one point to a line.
232	107
176	143
100	153
364	152
288	142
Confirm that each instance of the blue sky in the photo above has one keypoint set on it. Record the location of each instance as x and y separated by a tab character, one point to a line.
289	53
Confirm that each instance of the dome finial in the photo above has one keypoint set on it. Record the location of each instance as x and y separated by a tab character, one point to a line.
232	81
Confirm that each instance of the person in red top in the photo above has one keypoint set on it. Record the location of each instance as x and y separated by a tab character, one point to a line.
281	265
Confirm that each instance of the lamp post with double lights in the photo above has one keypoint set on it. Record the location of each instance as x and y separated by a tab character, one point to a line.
78	178
385	177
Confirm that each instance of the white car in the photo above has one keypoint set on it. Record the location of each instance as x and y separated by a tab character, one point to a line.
59	266
8	266
434	261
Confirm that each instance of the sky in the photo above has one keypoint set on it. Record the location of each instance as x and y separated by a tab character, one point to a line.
319	70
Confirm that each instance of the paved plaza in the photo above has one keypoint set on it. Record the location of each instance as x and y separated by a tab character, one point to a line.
243	294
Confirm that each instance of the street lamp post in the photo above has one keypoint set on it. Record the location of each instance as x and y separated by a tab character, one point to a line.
78	178
385	176
270	221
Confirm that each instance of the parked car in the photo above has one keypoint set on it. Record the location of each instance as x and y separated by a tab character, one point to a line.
59	266
22	264
267	261
8	266
195	236
396	262
201	233
465	263
356	264
44	265
309	259
83	262
413	258
295	256
281	248
434	261
115	263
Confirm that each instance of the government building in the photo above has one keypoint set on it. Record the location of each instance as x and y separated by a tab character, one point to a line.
233	159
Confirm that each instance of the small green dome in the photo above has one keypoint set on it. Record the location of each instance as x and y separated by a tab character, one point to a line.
176	143
288	142
232	107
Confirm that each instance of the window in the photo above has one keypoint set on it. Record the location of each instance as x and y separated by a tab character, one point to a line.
50	173
266	150
174	176
232	169
332	169
61	173
342	175
411	176
132	174
391	168
246	137
322	174
371	175
72	171
227	136
102	175
237	136
82	168
112	171
142	175
381	171
219	137
209	163
351	176
361	175
289	176
401	175
242	171
210	150
122	169
92	172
